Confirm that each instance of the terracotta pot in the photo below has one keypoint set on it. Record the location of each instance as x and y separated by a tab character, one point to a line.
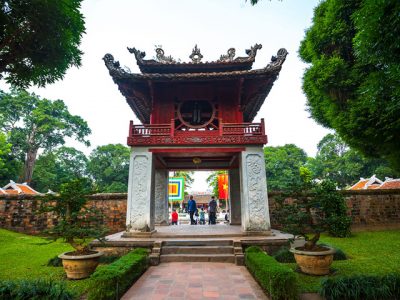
80	266
314	262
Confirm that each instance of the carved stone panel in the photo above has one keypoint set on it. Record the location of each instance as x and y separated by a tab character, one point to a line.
161	197
139	193
255	212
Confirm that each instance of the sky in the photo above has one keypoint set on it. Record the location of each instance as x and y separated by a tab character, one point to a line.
178	25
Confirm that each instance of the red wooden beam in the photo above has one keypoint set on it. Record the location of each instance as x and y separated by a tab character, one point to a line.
198	150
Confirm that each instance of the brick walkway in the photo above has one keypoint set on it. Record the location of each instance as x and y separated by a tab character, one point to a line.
194	280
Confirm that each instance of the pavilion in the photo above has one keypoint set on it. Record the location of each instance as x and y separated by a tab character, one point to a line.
196	116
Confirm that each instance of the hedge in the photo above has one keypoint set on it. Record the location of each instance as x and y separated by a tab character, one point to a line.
362	287
278	280
34	289
113	280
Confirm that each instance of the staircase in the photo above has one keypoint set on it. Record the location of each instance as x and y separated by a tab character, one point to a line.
227	251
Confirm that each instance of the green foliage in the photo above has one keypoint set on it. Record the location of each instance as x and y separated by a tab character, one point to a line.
283	255
34	289
277	279
55	262
54	168
307	206
10	166
352	85
343	165
112	281
333	208
39	40
109	167
212	181
282	165
362	287
76	222
34	123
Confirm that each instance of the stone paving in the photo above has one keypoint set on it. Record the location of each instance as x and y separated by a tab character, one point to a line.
194	280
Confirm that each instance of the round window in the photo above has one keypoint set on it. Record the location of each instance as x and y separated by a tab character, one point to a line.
196	113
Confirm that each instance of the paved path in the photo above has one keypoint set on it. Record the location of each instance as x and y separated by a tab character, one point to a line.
195	280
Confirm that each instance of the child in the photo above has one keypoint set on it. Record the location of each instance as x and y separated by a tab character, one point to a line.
202	217
174	217
196	216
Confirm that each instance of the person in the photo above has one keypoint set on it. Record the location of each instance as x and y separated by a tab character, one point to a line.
196	216
191	208
212	209
202	216
174	217
227	216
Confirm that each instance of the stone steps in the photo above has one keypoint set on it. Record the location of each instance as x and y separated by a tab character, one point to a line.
226	258
199	251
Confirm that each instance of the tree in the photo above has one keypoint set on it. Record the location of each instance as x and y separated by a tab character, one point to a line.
10	166
188	177
212	181
282	165
353	83
35	123
57	167
39	40
109	167
336	161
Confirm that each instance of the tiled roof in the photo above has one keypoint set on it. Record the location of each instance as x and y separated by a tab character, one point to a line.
13	188
375	183
135	87
390	184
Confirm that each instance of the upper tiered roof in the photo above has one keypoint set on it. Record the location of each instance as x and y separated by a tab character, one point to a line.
254	84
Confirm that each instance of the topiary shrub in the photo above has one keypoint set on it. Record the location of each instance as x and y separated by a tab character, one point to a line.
284	256
278	280
34	289
362	287
113	280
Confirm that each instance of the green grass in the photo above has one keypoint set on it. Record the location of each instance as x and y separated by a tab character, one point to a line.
370	253
25	257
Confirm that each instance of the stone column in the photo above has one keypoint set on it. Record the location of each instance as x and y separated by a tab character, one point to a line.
234	197
140	208
161	197
253	190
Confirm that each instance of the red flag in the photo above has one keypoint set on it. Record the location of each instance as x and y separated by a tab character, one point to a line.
223	186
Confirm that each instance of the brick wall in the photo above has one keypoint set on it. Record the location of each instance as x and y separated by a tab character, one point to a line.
18	212
368	209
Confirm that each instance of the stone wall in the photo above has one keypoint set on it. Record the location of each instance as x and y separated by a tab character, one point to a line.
17	212
372	209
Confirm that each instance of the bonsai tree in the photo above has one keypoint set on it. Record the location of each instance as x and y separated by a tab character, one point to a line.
77	223
311	207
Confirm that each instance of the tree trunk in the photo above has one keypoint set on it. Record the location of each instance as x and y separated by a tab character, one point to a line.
29	165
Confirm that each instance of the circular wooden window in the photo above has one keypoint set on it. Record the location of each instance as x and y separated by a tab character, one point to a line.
196	113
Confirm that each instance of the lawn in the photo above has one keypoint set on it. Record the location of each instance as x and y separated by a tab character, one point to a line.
371	253
25	257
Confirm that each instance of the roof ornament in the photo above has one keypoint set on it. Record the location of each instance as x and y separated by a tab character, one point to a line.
138	54
162	58
196	56
229	56
113	66
252	52
279	59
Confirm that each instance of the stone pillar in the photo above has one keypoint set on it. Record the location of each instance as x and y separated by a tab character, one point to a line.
234	197
253	190
140	208
161	197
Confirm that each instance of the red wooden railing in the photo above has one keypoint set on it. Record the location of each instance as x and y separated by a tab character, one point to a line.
225	129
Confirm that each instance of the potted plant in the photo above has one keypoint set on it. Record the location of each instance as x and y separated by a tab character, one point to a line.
309	207
77	224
